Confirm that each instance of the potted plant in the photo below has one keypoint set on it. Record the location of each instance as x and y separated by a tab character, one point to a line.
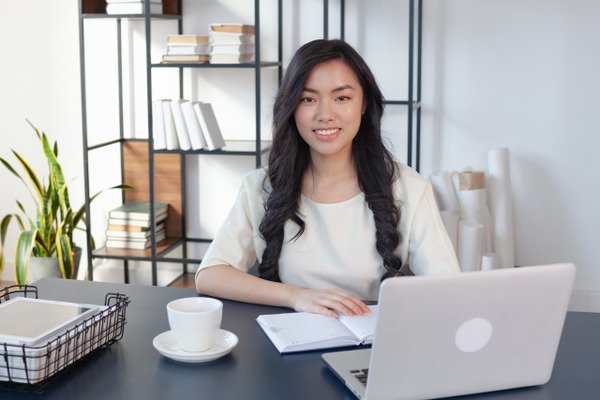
50	232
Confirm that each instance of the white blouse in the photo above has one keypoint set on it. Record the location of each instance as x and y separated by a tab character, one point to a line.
337	248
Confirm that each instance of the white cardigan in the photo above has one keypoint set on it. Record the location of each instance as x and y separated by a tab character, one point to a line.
337	248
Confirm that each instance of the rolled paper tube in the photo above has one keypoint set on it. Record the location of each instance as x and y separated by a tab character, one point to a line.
489	261
450	220
444	191
470	237
500	200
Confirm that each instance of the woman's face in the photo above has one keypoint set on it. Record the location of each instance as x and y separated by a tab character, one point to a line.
330	109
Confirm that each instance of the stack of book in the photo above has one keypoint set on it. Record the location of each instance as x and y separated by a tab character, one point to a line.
132	6
231	43
185	125
129	225
187	48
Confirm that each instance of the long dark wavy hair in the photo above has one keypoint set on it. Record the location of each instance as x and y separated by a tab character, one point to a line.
290	158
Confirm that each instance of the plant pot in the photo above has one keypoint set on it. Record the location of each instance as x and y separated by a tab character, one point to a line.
48	267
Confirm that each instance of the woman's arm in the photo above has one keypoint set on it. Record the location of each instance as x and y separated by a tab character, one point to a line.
228	282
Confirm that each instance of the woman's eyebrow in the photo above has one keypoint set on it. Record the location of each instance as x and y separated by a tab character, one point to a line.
337	89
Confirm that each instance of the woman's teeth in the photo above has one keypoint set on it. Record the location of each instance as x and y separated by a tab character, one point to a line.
326	132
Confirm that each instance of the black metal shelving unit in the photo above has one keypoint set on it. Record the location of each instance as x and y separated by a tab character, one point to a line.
413	100
94	9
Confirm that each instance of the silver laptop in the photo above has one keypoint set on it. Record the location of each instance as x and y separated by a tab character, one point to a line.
449	335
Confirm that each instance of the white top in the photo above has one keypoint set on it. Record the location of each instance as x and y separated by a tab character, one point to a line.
337	248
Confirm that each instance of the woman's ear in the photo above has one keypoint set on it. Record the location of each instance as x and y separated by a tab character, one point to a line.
364	108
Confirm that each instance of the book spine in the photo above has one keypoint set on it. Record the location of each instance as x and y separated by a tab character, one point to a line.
210	126
194	129
180	126
171	136
158	125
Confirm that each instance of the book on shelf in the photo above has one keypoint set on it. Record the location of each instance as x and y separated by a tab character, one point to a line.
188	39
231	58
133	7
230	38
186	58
301	331
138	210
135	222
232	28
134	244
170	133
132	1
209	124
113	231
131	228
232	48
194	129
158	125
180	126
187	50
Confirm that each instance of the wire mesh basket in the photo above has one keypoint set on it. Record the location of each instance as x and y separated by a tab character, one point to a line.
33	368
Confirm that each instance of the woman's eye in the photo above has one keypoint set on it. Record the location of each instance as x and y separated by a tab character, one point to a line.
341	98
307	100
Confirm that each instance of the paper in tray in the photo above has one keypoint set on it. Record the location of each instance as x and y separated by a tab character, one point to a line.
38	364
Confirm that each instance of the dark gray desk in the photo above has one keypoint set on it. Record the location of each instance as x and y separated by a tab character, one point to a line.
133	369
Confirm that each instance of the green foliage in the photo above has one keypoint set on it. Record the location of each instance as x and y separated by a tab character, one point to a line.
50	233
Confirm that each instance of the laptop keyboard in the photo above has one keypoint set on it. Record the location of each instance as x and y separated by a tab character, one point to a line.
361	375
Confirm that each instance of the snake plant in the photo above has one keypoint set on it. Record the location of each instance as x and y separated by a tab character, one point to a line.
50	232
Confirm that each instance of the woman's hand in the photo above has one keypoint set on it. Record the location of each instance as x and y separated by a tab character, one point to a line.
328	302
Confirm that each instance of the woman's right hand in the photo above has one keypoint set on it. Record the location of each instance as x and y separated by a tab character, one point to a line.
328	302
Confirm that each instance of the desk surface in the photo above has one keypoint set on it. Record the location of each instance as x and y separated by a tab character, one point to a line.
132	368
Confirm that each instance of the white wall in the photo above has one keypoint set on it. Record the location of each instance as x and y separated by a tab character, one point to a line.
522	75
519	74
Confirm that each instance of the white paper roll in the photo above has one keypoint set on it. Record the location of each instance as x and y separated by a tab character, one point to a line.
473	206
450	219
444	191
500	200
470	237
489	261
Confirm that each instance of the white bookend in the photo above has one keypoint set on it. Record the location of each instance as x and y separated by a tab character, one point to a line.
210	126
158	125
180	125
170	135
194	129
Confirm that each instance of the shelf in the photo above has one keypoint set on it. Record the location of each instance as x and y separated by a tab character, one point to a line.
263	64
132	254
130	16
97	9
232	148
164	251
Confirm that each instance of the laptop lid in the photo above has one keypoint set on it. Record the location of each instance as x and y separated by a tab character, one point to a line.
473	332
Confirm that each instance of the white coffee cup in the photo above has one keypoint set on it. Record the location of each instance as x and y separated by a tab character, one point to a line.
195	322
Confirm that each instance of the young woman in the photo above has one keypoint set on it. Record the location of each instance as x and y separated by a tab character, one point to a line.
332	214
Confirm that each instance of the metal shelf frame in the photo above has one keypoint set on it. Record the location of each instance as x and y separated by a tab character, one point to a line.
257	148
413	101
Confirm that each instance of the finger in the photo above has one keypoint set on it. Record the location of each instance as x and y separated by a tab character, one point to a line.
352	302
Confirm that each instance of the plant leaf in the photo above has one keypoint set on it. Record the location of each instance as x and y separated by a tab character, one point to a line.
25	245
65	255
32	176
34	128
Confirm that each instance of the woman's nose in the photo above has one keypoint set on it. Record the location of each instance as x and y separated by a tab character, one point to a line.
325	111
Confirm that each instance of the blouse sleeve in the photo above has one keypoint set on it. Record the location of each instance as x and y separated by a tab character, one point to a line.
238	241
430	251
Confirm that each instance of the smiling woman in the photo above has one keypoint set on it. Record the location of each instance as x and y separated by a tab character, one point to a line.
332	214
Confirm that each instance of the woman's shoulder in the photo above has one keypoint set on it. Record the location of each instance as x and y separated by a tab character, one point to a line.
409	180
255	183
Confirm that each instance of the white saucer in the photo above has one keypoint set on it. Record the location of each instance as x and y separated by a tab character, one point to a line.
167	345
